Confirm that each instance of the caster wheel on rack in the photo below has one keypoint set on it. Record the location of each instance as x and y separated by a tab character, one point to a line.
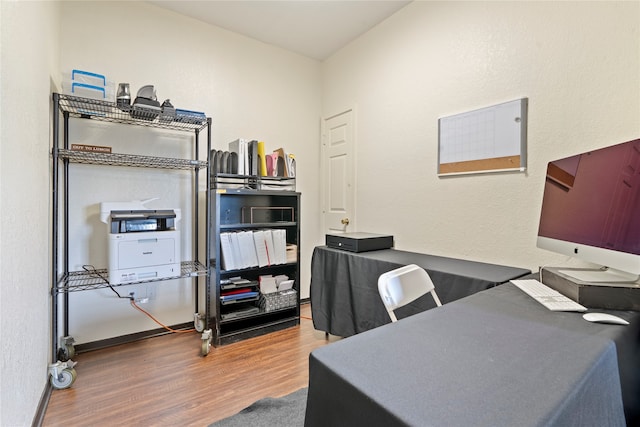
206	346
198	322
67	349
62	374
206	342
66	352
64	379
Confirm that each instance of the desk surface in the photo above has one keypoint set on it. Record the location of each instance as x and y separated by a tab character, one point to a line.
494	358
344	285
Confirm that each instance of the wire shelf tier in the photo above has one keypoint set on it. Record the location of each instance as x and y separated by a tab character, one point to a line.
97	279
108	112
252	182
119	159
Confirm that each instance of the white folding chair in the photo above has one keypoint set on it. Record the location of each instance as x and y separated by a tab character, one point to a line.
403	285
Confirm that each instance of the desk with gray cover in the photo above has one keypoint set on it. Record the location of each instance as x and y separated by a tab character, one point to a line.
344	285
496	358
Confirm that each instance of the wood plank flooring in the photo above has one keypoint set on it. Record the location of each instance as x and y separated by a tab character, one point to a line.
163	381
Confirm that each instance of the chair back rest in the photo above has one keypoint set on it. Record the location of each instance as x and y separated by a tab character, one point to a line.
403	285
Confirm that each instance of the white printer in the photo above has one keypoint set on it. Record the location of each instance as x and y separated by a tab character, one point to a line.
144	244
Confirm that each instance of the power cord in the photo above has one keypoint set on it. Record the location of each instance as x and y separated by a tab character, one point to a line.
137	307
92	270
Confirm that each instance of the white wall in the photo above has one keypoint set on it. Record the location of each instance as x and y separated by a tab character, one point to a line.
577	62
250	89
28	65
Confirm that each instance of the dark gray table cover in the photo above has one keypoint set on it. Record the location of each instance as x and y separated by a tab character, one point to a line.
496	358
344	285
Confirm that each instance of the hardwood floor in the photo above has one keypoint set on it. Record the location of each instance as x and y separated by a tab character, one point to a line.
164	381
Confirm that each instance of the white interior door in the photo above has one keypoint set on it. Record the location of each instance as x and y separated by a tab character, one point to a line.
338	173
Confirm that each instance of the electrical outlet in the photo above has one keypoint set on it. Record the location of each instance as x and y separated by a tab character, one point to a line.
142	300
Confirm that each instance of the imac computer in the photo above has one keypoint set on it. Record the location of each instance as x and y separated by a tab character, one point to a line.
591	211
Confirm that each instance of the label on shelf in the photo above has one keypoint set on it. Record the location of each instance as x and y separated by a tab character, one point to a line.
90	148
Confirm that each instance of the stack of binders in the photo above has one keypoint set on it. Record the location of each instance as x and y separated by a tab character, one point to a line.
253	160
247	249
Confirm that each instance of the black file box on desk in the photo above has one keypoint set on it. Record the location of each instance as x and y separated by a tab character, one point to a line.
359	242
602	295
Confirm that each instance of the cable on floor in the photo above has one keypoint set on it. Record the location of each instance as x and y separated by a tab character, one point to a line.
137	307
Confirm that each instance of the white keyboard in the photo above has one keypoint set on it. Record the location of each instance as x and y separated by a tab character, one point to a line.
550	298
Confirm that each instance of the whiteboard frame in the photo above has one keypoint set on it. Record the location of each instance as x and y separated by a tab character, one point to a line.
511	120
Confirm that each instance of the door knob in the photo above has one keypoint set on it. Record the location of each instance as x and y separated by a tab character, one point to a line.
345	221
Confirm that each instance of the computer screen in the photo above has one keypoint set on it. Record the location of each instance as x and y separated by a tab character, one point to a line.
591	211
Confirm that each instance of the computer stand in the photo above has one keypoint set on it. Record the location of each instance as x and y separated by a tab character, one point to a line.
612	296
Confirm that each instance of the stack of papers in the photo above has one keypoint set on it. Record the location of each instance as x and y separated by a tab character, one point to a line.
270	284
239	295
236	282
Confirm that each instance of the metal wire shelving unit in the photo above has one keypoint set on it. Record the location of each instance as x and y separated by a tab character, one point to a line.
64	281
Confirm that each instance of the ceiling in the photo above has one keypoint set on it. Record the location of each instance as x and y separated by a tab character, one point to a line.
313	28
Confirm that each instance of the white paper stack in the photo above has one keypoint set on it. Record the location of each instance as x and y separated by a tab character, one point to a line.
270	284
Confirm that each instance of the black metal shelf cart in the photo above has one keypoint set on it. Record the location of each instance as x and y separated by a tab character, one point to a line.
64	281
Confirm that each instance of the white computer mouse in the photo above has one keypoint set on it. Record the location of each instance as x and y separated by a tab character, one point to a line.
604	318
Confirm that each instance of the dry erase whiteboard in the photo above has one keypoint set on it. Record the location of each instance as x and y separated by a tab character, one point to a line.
490	139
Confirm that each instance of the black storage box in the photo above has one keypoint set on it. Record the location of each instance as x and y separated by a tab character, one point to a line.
359	242
606	296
